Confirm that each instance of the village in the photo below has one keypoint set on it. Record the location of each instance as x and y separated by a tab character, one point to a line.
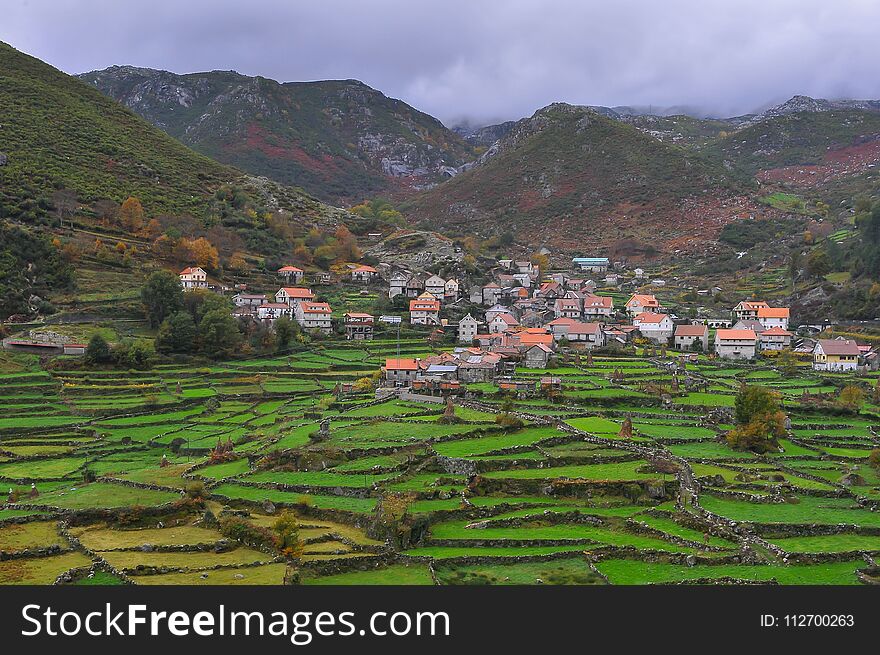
524	318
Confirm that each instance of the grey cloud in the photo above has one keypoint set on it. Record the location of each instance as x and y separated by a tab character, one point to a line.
483	60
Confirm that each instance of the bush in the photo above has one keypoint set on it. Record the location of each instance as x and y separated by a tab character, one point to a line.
246	533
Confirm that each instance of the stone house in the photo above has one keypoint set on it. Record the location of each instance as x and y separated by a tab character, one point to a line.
686	336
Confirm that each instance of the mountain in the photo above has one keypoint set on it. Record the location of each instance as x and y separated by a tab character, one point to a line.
340	140
810	147
59	133
799	103
483	136
574	179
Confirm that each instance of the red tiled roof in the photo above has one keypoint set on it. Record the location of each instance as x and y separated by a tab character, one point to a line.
645	300
649	317
735	335
316	308
690	330
401	364
776	332
773	312
297	292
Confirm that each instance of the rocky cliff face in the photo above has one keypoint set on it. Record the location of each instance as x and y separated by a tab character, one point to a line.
340	140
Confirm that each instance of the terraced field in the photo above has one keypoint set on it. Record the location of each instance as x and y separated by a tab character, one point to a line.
169	476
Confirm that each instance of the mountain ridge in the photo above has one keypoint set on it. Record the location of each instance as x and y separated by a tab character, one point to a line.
341	140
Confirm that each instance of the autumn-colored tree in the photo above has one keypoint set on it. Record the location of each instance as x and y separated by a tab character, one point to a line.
874	459
237	263
364	384
121	247
760	420
152	229
163	247
542	261
851	397
286	529
346	245
302	255
199	252
131	214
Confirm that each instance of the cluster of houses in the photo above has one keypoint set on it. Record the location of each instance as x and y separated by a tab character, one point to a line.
295	302
527	317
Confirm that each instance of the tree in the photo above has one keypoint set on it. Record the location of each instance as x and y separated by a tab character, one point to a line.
177	334
752	401
131	214
818	263
65	203
760	420
542	261
283	333
795	263
98	350
161	296
874	459
851	397
286	528
758	435
787	362
202	253
134	354
237	263
218	333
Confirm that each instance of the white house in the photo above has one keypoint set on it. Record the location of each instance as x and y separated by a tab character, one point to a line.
436	286
736	344
273	310
314	316
451	290
773	317
249	299
292	296
748	309
502	322
567	308
467	329
524	279
494	311
397	284
653	326
639	303
364	274
424	310
598	307
774	338
591	264
590	334
194	277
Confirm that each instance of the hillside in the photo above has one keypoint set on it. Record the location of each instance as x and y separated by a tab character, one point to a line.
340	140
805	148
58	133
569	174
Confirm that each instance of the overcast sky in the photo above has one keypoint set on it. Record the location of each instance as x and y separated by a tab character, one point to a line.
484	60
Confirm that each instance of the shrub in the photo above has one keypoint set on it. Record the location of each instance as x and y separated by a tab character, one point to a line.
246	533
